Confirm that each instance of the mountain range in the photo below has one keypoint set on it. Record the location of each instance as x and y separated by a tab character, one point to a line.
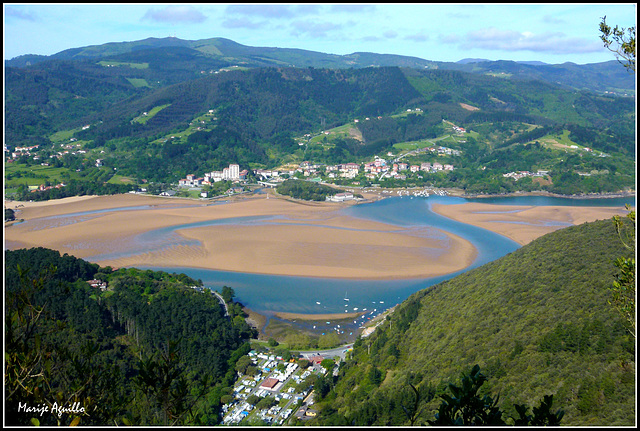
607	76
158	109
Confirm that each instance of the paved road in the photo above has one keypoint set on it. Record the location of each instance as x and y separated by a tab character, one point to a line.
329	353
224	304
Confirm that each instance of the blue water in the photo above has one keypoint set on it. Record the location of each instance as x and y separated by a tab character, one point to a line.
268	294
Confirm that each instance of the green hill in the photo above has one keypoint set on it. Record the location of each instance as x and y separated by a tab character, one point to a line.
536	321
145	348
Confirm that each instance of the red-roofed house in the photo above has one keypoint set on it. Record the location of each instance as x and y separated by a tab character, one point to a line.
269	383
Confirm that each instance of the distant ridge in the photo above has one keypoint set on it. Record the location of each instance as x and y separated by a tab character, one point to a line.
471	60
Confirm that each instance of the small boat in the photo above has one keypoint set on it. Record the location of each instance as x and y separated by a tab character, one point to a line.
317	303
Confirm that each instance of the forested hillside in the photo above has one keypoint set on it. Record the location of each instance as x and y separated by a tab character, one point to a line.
537	322
149	348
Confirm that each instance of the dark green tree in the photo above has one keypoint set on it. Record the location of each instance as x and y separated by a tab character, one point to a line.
164	384
623	289
465	406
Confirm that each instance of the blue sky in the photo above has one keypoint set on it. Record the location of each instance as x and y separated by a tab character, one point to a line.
552	33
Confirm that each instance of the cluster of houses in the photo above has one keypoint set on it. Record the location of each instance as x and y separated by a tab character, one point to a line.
98	284
43	188
273	385
372	170
380	166
22	151
521	174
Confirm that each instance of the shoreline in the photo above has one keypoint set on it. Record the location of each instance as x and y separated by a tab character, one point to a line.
461	193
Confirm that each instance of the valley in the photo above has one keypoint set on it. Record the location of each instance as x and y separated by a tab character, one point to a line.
417	222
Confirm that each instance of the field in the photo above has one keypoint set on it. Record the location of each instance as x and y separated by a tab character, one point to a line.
144	117
118	63
138	82
19	174
121	179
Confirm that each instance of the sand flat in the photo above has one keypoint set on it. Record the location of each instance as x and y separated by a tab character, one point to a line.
313	250
302	238
309	238
523	224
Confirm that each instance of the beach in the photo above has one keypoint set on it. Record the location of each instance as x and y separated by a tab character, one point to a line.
302	239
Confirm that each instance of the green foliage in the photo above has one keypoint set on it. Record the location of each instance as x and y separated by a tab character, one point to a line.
536	321
9	214
162	381
465	406
149	350
621	41
306	190
623	290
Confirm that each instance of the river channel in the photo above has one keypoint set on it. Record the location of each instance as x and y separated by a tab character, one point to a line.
269	294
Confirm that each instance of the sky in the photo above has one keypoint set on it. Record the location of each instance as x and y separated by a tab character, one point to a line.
549	32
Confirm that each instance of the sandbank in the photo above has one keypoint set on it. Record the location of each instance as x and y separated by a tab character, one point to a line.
303	239
523	224
318	317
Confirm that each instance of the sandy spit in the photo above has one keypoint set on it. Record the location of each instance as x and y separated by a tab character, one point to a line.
523	224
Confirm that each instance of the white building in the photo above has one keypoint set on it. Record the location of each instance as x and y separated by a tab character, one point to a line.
230	173
340	197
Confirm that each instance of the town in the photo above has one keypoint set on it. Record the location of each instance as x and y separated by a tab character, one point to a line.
275	390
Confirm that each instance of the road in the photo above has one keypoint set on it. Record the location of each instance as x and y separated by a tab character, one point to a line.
224	304
329	353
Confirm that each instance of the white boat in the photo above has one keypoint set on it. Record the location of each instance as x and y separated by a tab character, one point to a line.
317	303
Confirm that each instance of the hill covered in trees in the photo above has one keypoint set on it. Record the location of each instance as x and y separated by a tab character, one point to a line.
537	322
147	348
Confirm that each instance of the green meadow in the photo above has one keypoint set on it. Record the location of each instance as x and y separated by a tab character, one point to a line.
107	63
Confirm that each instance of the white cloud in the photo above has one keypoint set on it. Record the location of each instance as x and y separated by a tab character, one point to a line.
509	40
175	14
418	37
314	29
390	34
14	12
262	10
